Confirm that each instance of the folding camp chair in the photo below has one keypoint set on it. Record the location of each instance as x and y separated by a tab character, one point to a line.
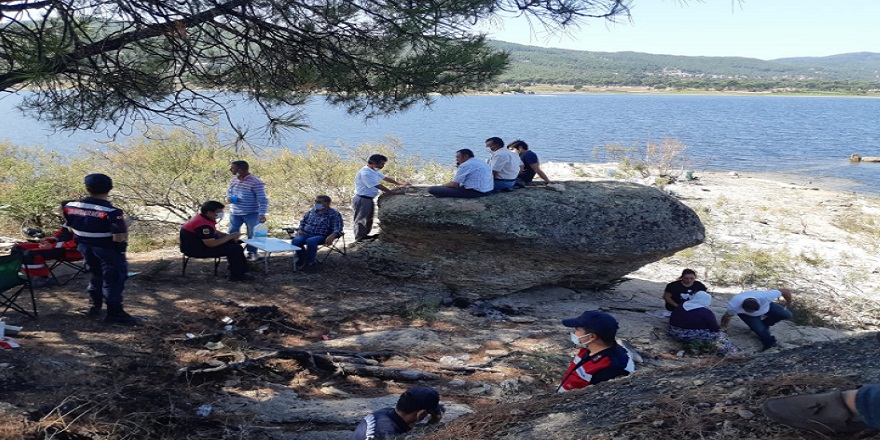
334	247
71	258
12	285
186	261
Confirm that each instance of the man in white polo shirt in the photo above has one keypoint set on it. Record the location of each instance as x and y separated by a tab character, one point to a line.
760	311
367	184
473	178
504	164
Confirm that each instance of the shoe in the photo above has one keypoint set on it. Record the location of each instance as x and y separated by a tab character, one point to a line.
242	277
824	413
311	267
120	318
94	312
771	345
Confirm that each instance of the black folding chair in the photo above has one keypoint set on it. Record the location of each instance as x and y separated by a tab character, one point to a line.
12	285
70	258
186	261
334	247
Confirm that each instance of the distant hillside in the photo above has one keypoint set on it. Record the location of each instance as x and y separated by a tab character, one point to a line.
851	73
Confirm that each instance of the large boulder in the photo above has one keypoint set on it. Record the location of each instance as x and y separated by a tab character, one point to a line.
586	236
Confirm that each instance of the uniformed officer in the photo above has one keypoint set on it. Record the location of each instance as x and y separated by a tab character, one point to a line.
102	236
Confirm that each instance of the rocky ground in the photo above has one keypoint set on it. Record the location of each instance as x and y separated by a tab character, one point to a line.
304	356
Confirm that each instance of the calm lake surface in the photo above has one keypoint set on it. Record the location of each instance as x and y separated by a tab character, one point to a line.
808	137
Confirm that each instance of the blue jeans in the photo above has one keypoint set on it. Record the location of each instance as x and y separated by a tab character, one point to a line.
868	404
500	184
309	253
249	220
109	270
761	327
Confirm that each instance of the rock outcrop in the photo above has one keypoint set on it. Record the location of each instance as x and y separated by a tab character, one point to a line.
586	236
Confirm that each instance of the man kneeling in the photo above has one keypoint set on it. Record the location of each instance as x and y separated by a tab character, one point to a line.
199	238
321	225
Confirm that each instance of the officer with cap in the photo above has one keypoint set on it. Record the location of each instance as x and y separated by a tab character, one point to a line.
413	406
102	236
600	358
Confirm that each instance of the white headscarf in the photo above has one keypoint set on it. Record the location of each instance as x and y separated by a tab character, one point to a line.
699	299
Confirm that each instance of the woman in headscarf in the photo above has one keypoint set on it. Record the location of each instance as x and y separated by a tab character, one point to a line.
693	322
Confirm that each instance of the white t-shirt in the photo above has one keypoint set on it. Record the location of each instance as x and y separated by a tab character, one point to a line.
365	182
764	297
506	163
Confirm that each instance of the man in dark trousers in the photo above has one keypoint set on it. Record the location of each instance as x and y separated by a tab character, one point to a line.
414	405
200	238
101	233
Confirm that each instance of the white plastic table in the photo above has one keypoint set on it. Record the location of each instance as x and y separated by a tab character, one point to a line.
270	246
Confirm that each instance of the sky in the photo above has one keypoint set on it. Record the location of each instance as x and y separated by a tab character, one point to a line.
764	29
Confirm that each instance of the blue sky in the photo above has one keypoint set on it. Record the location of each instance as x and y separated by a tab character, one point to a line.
764	29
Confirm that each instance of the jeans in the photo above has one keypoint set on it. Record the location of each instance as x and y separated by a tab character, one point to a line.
249	220
761	327
868	404
464	193
309	243
109	270
502	185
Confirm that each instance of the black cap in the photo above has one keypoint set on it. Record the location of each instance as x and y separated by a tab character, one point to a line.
419	398
98	183
603	324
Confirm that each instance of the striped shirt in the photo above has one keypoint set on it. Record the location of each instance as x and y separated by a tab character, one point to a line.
247	196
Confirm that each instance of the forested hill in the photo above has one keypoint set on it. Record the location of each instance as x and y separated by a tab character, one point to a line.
851	73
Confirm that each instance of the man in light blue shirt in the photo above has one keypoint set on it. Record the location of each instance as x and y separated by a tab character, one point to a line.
472	179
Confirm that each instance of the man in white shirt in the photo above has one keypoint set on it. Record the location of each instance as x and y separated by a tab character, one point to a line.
367	184
472	179
759	310
504	163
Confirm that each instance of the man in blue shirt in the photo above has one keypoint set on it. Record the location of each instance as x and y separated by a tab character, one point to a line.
472	179
247	201
530	164
101	231
414	405
320	225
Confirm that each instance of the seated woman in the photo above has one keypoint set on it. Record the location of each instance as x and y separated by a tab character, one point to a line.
687	284
59	246
200	238
693	322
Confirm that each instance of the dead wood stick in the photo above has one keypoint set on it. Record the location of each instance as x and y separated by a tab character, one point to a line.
384	373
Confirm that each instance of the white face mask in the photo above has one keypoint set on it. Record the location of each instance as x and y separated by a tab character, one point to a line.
576	339
219	216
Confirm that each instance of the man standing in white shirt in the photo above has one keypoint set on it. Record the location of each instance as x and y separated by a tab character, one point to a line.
472	179
504	164
367	184
759	310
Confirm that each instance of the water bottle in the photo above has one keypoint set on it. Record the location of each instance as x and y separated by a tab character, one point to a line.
261	231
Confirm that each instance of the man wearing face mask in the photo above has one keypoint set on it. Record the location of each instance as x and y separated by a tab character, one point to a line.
200	238
600	358
414	405
321	225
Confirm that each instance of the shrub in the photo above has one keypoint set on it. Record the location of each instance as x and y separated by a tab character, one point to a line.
665	161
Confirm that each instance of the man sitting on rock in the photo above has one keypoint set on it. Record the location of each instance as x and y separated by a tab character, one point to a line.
472	179
414	405
321	225
600	358
530	165
758	309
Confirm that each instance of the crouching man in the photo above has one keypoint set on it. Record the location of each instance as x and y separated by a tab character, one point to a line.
414	405
199	238
600	358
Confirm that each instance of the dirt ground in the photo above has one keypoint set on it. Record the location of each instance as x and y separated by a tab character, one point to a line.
298	355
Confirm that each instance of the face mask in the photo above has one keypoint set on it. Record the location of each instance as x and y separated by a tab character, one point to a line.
219	216
318	206
576	339
489	149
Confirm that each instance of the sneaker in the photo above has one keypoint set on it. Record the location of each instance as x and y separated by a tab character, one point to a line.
825	413
120	318
242	277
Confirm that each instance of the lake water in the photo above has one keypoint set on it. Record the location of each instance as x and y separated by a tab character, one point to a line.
810	137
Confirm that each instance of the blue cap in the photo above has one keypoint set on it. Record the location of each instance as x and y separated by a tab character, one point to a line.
603	324
98	183
419	398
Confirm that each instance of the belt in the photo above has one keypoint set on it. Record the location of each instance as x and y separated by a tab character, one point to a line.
505	180
365	197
